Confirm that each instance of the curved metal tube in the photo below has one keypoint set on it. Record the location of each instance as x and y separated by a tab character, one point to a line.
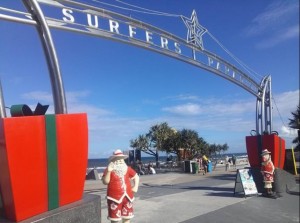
258	116
58	92
270	109
268	105
264	107
2	105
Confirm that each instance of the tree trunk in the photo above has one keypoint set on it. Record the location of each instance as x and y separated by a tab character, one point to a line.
156	159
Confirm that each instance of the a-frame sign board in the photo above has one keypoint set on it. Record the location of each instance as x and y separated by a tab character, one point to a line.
244	183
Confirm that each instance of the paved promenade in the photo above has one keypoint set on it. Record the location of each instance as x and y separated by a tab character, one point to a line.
192	198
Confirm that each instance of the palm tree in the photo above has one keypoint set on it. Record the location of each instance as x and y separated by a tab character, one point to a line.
142	143
158	134
190	142
295	124
173	143
213	149
154	141
161	137
203	146
224	147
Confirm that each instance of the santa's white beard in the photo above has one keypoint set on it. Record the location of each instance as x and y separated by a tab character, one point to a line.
120	169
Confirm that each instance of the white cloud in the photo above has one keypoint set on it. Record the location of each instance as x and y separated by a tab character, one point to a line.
93	111
289	33
74	102
278	23
185	109
212	106
288	132
75	96
276	15
217	120
184	97
42	96
286	103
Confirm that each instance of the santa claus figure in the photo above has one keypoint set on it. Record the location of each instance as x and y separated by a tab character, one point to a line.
267	170
122	183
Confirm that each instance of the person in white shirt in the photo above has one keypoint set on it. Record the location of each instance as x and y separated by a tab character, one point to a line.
152	170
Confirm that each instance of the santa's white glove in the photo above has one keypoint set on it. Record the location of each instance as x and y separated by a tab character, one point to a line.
111	166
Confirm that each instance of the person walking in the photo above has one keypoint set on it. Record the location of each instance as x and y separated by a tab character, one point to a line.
233	158
227	163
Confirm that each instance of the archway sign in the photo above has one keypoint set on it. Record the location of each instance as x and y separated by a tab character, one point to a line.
86	19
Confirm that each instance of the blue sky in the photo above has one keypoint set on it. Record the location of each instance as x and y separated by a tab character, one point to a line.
125	90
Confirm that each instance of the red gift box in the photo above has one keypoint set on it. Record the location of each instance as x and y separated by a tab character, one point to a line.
274	143
43	162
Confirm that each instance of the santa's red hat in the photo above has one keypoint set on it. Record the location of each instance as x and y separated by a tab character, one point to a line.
264	152
117	155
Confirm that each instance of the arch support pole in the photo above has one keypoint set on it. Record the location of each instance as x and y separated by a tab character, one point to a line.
58	92
264	108
2	105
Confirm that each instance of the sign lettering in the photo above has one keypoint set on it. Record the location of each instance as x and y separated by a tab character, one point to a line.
92	21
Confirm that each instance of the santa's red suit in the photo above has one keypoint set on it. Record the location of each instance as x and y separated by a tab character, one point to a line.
120	186
267	169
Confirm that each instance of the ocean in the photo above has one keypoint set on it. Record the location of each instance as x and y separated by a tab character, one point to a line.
94	163
103	162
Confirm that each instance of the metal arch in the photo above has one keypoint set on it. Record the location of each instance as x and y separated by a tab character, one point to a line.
264	108
2	106
58	92
242	79
213	63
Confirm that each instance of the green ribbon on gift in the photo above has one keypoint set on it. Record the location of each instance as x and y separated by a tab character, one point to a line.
20	110
51	144
24	110
51	139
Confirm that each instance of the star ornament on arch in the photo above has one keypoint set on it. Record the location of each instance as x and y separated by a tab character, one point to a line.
195	30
